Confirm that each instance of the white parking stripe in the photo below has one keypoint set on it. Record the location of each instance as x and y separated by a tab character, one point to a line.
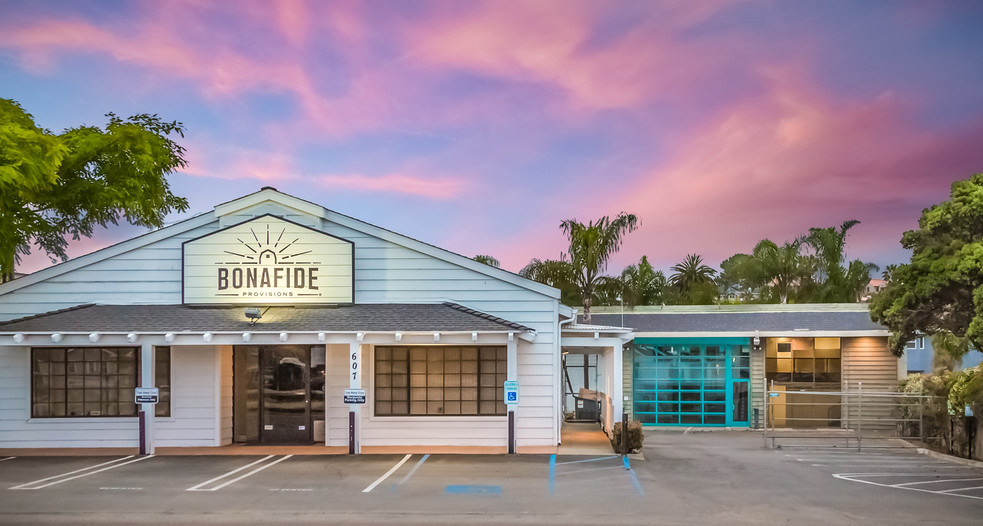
855	478
234	471
961	489
935	481
58	479
384	477
8	458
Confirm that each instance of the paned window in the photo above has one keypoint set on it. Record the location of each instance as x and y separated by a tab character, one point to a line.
439	381
808	362
93	381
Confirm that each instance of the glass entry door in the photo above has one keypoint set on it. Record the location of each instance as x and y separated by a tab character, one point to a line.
275	390
285	413
738	386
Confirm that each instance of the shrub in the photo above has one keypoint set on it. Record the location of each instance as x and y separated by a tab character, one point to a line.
635	437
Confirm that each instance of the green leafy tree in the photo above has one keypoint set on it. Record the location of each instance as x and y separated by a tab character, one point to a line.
941	289
57	185
591	246
694	281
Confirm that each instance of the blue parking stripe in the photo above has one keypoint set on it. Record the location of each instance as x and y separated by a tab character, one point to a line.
552	472
411	472
634	479
485	490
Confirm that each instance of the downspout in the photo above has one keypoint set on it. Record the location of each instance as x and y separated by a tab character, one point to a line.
559	374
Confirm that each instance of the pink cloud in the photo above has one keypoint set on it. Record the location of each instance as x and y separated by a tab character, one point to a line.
775	164
395	183
552	44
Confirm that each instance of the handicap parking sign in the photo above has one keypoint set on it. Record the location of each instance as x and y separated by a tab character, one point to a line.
511	392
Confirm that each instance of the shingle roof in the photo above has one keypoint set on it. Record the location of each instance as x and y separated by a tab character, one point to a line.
446	317
744	322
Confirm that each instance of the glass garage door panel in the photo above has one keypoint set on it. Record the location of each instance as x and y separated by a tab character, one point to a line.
683	383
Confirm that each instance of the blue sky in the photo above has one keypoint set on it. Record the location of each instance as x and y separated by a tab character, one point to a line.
479	126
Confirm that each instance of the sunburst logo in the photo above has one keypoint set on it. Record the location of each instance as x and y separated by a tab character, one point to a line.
265	253
269	259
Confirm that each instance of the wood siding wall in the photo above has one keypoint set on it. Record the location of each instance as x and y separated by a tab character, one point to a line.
385	272
757	386
868	360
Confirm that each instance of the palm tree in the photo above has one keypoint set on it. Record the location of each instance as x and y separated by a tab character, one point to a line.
591	246
693	279
557	273
783	268
487	260
835	282
641	284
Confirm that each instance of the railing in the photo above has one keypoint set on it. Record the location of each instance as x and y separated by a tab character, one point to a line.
800	418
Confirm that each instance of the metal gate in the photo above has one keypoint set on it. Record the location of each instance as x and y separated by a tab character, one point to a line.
850	418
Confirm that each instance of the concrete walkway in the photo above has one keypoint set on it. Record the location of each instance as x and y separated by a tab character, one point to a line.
583	439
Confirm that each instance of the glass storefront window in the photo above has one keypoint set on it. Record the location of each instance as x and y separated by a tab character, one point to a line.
686	384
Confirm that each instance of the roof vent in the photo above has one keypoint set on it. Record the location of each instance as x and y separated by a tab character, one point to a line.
268	188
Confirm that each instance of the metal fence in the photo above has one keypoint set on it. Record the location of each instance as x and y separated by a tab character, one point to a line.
849	418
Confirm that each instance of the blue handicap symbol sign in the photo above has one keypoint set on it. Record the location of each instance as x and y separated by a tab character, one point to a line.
512	397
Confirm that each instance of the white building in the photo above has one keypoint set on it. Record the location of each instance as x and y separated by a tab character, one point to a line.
254	319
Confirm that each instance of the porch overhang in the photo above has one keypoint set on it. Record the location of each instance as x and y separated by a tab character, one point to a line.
125	325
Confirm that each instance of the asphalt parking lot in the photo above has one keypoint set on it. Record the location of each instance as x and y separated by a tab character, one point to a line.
685	478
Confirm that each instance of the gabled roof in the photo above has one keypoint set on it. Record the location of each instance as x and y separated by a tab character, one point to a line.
446	317
270	194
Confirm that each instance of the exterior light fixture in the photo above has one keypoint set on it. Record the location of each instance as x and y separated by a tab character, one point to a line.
56	337
436	337
132	337
94	337
18	338
474	336
246	337
359	336
207	337
321	337
169	337
283	336
253	314
399	336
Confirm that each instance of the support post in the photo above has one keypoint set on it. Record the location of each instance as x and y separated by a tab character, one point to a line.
354	382
764	406
142	418
146	414
511	432
351	431
512	374
624	434
860	408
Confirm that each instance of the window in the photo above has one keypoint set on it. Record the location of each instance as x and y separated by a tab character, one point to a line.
93	381
439	381
814	361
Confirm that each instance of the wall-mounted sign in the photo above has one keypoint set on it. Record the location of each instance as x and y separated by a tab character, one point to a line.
146	395
268	260
354	396
511	392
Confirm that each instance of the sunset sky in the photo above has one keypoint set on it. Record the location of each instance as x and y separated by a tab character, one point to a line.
480	126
